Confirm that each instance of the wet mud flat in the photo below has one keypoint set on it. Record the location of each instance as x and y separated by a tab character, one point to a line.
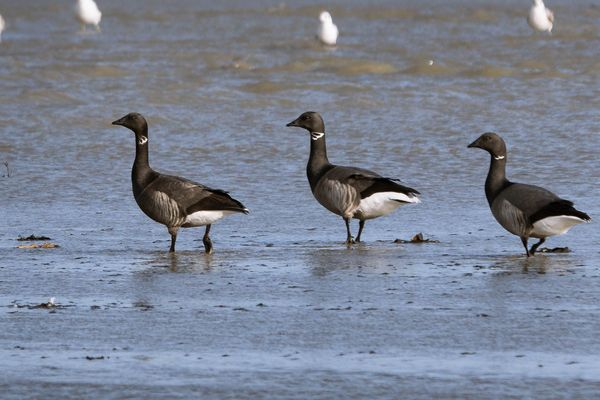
378	320
283	309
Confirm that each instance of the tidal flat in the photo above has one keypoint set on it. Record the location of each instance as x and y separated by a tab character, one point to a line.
283	309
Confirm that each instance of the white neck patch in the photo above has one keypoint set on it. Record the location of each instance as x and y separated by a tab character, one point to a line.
499	158
316	135
142	140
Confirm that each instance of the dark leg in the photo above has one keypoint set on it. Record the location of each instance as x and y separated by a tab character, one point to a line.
361	225
349	238
524	241
207	242
173	232
535	246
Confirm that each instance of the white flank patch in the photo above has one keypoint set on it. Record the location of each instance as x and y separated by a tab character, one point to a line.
383	203
552	226
201	218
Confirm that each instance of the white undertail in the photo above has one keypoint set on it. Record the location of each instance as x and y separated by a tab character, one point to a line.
201	218
553	226
383	203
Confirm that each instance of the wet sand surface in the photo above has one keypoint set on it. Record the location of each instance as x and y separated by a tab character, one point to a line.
378	320
284	309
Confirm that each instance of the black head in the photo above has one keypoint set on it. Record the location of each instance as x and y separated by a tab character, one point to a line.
492	143
311	121
134	121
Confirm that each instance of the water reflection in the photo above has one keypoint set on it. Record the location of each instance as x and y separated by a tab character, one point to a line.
179	262
323	261
539	264
150	285
189	262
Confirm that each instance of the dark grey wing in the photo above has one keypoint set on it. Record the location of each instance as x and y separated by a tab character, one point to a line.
368	182
368	186
528	199
192	196
340	173
217	200
559	207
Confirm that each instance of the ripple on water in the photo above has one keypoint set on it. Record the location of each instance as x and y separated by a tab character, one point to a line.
46	97
335	65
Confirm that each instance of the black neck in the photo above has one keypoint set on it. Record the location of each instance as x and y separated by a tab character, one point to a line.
141	172
496	180
317	162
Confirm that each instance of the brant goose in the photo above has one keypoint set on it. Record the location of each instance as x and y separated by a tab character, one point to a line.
328	31
347	191
88	14
540	18
170	200
524	210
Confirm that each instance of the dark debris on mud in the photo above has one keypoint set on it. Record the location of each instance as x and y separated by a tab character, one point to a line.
49	305
32	238
417	239
555	250
92	358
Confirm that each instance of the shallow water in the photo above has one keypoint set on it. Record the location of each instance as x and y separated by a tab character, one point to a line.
283	309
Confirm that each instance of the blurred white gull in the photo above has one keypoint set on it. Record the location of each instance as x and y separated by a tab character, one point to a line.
88	14
2	25
328	31
540	18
